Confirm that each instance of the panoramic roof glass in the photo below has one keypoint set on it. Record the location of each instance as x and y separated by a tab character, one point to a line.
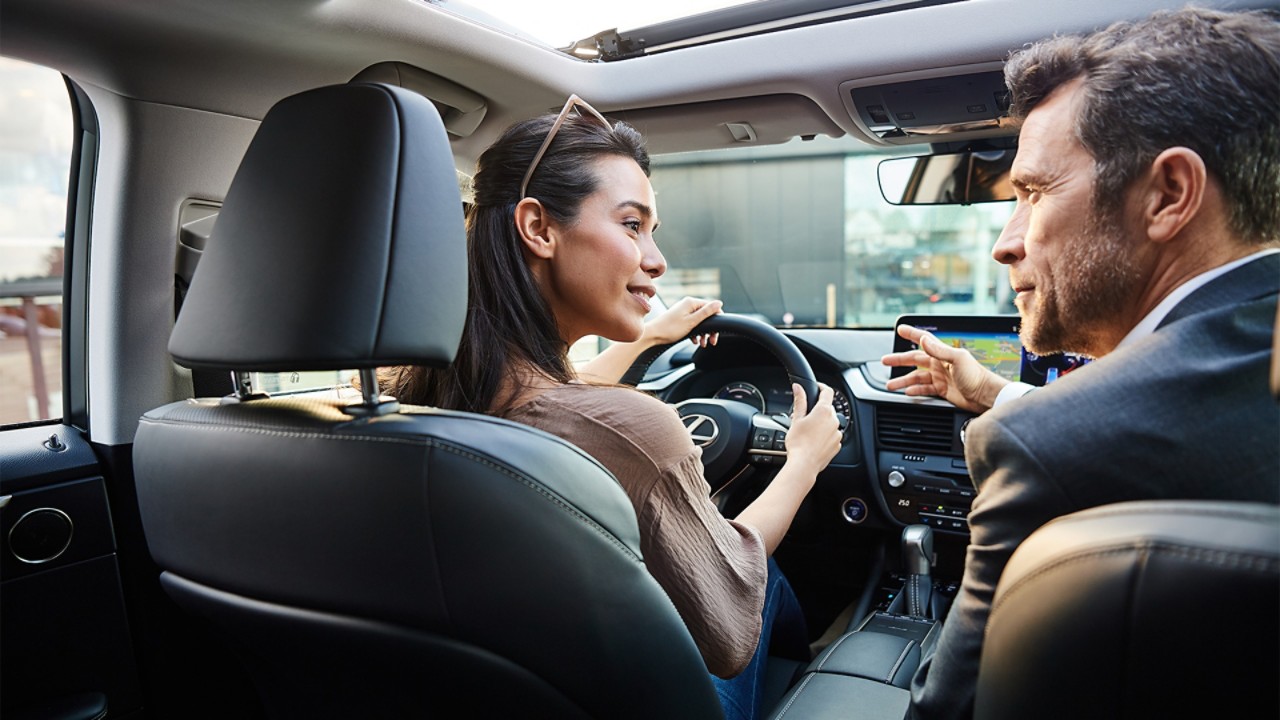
560	23
592	30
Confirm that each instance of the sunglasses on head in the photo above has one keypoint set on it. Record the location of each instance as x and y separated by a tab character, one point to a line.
573	102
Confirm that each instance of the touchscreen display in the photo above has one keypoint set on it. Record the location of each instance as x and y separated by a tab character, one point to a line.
993	341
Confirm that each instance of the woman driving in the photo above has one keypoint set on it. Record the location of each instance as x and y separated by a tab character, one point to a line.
561	246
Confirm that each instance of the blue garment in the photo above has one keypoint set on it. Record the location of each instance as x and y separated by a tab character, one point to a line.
782	633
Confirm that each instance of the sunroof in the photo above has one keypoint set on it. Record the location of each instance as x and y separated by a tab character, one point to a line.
595	30
561	23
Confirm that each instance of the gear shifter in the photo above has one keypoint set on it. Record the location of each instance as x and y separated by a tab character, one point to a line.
917	556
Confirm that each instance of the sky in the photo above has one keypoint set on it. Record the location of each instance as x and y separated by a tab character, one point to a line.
35	153
560	22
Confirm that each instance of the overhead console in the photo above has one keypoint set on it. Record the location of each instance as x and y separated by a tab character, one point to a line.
915	108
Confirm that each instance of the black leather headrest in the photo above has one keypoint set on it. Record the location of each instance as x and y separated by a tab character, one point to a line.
340	244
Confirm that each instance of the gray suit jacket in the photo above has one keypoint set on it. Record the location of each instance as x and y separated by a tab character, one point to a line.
1183	413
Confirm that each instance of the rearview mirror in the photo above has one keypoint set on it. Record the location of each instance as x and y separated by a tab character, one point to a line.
952	179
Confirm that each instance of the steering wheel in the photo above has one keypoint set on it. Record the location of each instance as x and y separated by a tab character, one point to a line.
730	432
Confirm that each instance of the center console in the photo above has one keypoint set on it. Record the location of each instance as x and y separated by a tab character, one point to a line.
866	673
918	443
921	467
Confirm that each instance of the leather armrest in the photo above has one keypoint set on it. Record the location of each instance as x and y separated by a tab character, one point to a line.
823	696
885	658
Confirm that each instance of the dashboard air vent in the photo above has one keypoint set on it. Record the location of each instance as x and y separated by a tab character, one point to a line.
915	429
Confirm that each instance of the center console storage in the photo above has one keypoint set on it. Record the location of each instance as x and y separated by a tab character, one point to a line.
864	674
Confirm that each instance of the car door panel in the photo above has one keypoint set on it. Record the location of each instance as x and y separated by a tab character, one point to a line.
62	612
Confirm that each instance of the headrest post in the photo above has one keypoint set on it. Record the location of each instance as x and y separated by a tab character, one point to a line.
373	405
243	384
369	385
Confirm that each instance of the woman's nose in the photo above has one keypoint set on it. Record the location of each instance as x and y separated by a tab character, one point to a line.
652	260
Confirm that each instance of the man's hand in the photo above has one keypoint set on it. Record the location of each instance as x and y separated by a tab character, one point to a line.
943	371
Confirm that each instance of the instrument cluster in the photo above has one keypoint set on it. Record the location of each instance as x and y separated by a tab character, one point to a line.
774	399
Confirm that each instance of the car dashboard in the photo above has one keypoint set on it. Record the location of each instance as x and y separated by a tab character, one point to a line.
902	458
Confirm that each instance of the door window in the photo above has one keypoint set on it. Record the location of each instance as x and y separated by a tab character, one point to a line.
36	135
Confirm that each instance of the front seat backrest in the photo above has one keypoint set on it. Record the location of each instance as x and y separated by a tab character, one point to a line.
1155	609
364	560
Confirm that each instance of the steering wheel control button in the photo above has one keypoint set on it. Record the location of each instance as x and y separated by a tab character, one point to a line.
896	478
854	510
40	535
780	440
762	440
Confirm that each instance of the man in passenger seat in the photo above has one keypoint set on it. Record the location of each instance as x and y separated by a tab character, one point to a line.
1145	235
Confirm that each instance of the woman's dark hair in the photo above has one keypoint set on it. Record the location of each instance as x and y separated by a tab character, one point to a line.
509	324
1201	79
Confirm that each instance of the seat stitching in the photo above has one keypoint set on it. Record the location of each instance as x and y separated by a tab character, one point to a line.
794	697
1221	558
291	433
902	657
427	442
547	494
482	419
1165	508
832	651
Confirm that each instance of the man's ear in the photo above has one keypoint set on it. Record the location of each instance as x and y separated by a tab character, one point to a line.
534	225
1174	192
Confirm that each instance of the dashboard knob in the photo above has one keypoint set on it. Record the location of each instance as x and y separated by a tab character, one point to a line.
896	478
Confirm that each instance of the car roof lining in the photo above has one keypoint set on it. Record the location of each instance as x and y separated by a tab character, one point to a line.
176	53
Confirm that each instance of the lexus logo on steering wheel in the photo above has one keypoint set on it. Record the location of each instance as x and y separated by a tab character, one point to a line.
702	429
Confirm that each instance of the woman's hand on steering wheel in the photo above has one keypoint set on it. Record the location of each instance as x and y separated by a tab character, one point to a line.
626	362
728	431
677	321
815	436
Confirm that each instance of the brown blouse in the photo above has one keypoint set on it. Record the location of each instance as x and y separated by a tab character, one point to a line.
712	568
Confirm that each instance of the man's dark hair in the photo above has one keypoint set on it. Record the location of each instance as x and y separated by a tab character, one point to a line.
508	321
1194	78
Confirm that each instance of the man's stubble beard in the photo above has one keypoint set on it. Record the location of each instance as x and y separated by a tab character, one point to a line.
1095	277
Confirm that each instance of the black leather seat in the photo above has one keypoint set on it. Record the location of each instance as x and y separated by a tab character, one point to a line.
370	561
1157	609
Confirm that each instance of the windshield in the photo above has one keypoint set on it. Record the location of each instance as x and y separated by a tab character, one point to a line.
799	235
